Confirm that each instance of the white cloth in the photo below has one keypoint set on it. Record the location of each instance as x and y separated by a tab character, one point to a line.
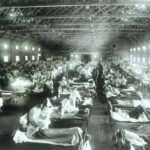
72	137
74	96
67	107
86	146
87	101
1	102
20	137
134	138
145	103
124	116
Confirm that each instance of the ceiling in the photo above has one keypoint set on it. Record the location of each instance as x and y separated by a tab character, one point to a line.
97	23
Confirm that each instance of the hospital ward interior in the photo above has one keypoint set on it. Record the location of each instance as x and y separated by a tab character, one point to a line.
74	74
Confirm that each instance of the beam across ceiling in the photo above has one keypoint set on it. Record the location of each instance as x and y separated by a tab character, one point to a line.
77	29
77	24
80	16
69	3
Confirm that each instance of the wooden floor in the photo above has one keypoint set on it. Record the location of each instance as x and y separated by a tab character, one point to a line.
99	128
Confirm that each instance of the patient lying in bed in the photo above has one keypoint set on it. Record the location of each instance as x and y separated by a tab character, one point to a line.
124	137
138	114
134	103
34	127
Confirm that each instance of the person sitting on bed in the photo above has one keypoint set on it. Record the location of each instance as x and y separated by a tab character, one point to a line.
63	84
68	106
75	96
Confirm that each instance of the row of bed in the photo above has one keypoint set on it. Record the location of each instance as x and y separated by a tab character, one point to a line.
129	109
69	131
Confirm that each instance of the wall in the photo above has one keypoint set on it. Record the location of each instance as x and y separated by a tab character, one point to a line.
18	47
119	51
140	51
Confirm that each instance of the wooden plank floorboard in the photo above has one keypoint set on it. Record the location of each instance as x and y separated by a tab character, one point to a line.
100	127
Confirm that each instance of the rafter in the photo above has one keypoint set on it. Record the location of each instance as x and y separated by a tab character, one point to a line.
69	3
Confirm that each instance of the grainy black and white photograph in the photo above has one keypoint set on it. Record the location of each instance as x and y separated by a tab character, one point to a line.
74	74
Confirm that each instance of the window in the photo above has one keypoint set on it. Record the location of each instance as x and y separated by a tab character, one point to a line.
134	49
39	55
134	59
17	58
5	58
33	57
130	49
39	49
26	58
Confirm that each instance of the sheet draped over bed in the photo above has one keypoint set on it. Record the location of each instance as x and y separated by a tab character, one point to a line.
63	137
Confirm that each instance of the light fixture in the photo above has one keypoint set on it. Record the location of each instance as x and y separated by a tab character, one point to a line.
33	48
144	48
25	47
94	56
76	56
26	58
33	57
17	47
11	14
140	6
138	48
5	46
5	58
17	58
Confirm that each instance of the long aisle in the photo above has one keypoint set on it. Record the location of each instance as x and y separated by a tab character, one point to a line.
100	127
